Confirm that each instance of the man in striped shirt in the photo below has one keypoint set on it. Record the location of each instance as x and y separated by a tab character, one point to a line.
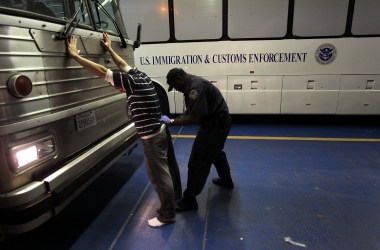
144	105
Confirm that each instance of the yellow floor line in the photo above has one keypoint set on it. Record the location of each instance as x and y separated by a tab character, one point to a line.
286	138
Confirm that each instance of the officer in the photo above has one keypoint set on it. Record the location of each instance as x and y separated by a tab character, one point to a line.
205	105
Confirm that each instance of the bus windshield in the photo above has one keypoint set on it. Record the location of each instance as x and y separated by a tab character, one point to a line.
104	12
52	8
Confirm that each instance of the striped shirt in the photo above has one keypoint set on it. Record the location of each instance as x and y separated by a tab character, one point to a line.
142	99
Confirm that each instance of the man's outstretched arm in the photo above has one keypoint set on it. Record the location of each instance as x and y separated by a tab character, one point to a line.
91	66
106	42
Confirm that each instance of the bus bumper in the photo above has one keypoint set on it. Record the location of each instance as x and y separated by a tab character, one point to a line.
28	207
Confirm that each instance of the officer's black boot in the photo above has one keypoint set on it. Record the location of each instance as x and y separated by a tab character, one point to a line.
227	183
188	203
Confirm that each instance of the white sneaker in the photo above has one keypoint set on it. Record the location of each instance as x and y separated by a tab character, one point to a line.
156	223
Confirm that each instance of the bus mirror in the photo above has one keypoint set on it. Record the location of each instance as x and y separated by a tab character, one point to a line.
137	43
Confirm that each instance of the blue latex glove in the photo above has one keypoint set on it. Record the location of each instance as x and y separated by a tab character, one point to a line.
165	120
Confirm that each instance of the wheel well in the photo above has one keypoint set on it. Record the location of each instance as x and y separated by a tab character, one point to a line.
163	98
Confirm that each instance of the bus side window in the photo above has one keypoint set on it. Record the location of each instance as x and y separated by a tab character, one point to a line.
152	14
257	19
366	20
309	22
198	19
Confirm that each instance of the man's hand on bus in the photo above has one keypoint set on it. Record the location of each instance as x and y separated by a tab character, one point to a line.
94	67
106	42
72	46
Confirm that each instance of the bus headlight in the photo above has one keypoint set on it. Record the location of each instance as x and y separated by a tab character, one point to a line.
30	154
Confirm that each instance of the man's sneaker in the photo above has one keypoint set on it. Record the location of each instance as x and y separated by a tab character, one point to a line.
223	183
186	205
155	222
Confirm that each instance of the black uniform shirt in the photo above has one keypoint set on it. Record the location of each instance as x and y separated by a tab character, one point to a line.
203	98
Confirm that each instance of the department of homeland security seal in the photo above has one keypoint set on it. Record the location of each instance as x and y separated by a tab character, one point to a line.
326	53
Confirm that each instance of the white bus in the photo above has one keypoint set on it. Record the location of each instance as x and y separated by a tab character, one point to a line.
60	127
267	56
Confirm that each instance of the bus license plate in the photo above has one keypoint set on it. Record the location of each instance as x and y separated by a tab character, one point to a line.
85	120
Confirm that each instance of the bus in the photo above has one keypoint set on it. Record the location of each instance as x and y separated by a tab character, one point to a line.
60	127
272	57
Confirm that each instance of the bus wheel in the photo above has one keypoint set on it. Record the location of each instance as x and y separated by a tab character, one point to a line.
164	104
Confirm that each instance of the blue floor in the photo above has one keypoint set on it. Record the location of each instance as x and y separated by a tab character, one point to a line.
318	184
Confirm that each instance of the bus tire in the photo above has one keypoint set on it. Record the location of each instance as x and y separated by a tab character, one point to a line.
164	103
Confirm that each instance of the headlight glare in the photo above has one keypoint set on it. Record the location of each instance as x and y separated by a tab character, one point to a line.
26	156
31	154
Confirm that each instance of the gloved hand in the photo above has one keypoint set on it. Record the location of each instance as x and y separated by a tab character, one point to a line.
165	120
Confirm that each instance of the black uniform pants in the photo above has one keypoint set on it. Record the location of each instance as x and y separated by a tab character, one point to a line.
207	150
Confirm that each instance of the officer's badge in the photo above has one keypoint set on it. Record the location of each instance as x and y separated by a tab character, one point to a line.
193	94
